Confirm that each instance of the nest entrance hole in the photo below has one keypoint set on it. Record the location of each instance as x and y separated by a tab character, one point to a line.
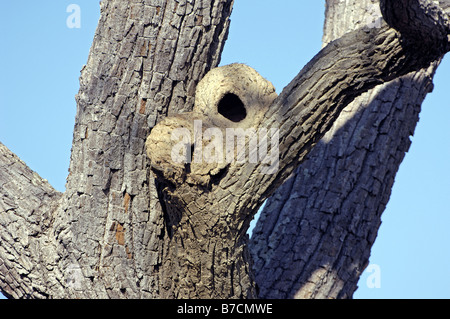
232	108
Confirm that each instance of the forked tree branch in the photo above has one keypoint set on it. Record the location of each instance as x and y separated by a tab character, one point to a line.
303	112
27	204
324	219
344	69
423	22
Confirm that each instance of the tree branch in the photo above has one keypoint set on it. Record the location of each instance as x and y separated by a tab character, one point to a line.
112	228
422	21
27	203
108	235
342	187
304	112
344	69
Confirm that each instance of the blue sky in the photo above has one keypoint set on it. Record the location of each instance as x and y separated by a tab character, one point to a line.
42	57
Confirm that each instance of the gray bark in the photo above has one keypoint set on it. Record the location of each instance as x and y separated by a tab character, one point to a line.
123	230
27	210
145	62
314	237
108	229
304	111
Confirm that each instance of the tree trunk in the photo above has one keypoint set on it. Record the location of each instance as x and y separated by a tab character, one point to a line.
324	220
107	235
130	227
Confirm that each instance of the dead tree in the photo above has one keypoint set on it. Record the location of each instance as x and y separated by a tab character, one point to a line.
136	226
340	192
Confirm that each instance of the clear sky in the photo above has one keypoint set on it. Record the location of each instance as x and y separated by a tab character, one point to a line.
41	58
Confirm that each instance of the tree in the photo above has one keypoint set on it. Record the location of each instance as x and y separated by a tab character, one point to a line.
344	185
128	227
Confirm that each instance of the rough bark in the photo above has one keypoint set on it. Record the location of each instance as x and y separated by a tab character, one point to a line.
204	198
146	59
27	208
304	111
314	237
120	229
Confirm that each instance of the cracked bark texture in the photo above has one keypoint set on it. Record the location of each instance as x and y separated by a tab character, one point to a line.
314	236
304	112
107	233
111	234
145	62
